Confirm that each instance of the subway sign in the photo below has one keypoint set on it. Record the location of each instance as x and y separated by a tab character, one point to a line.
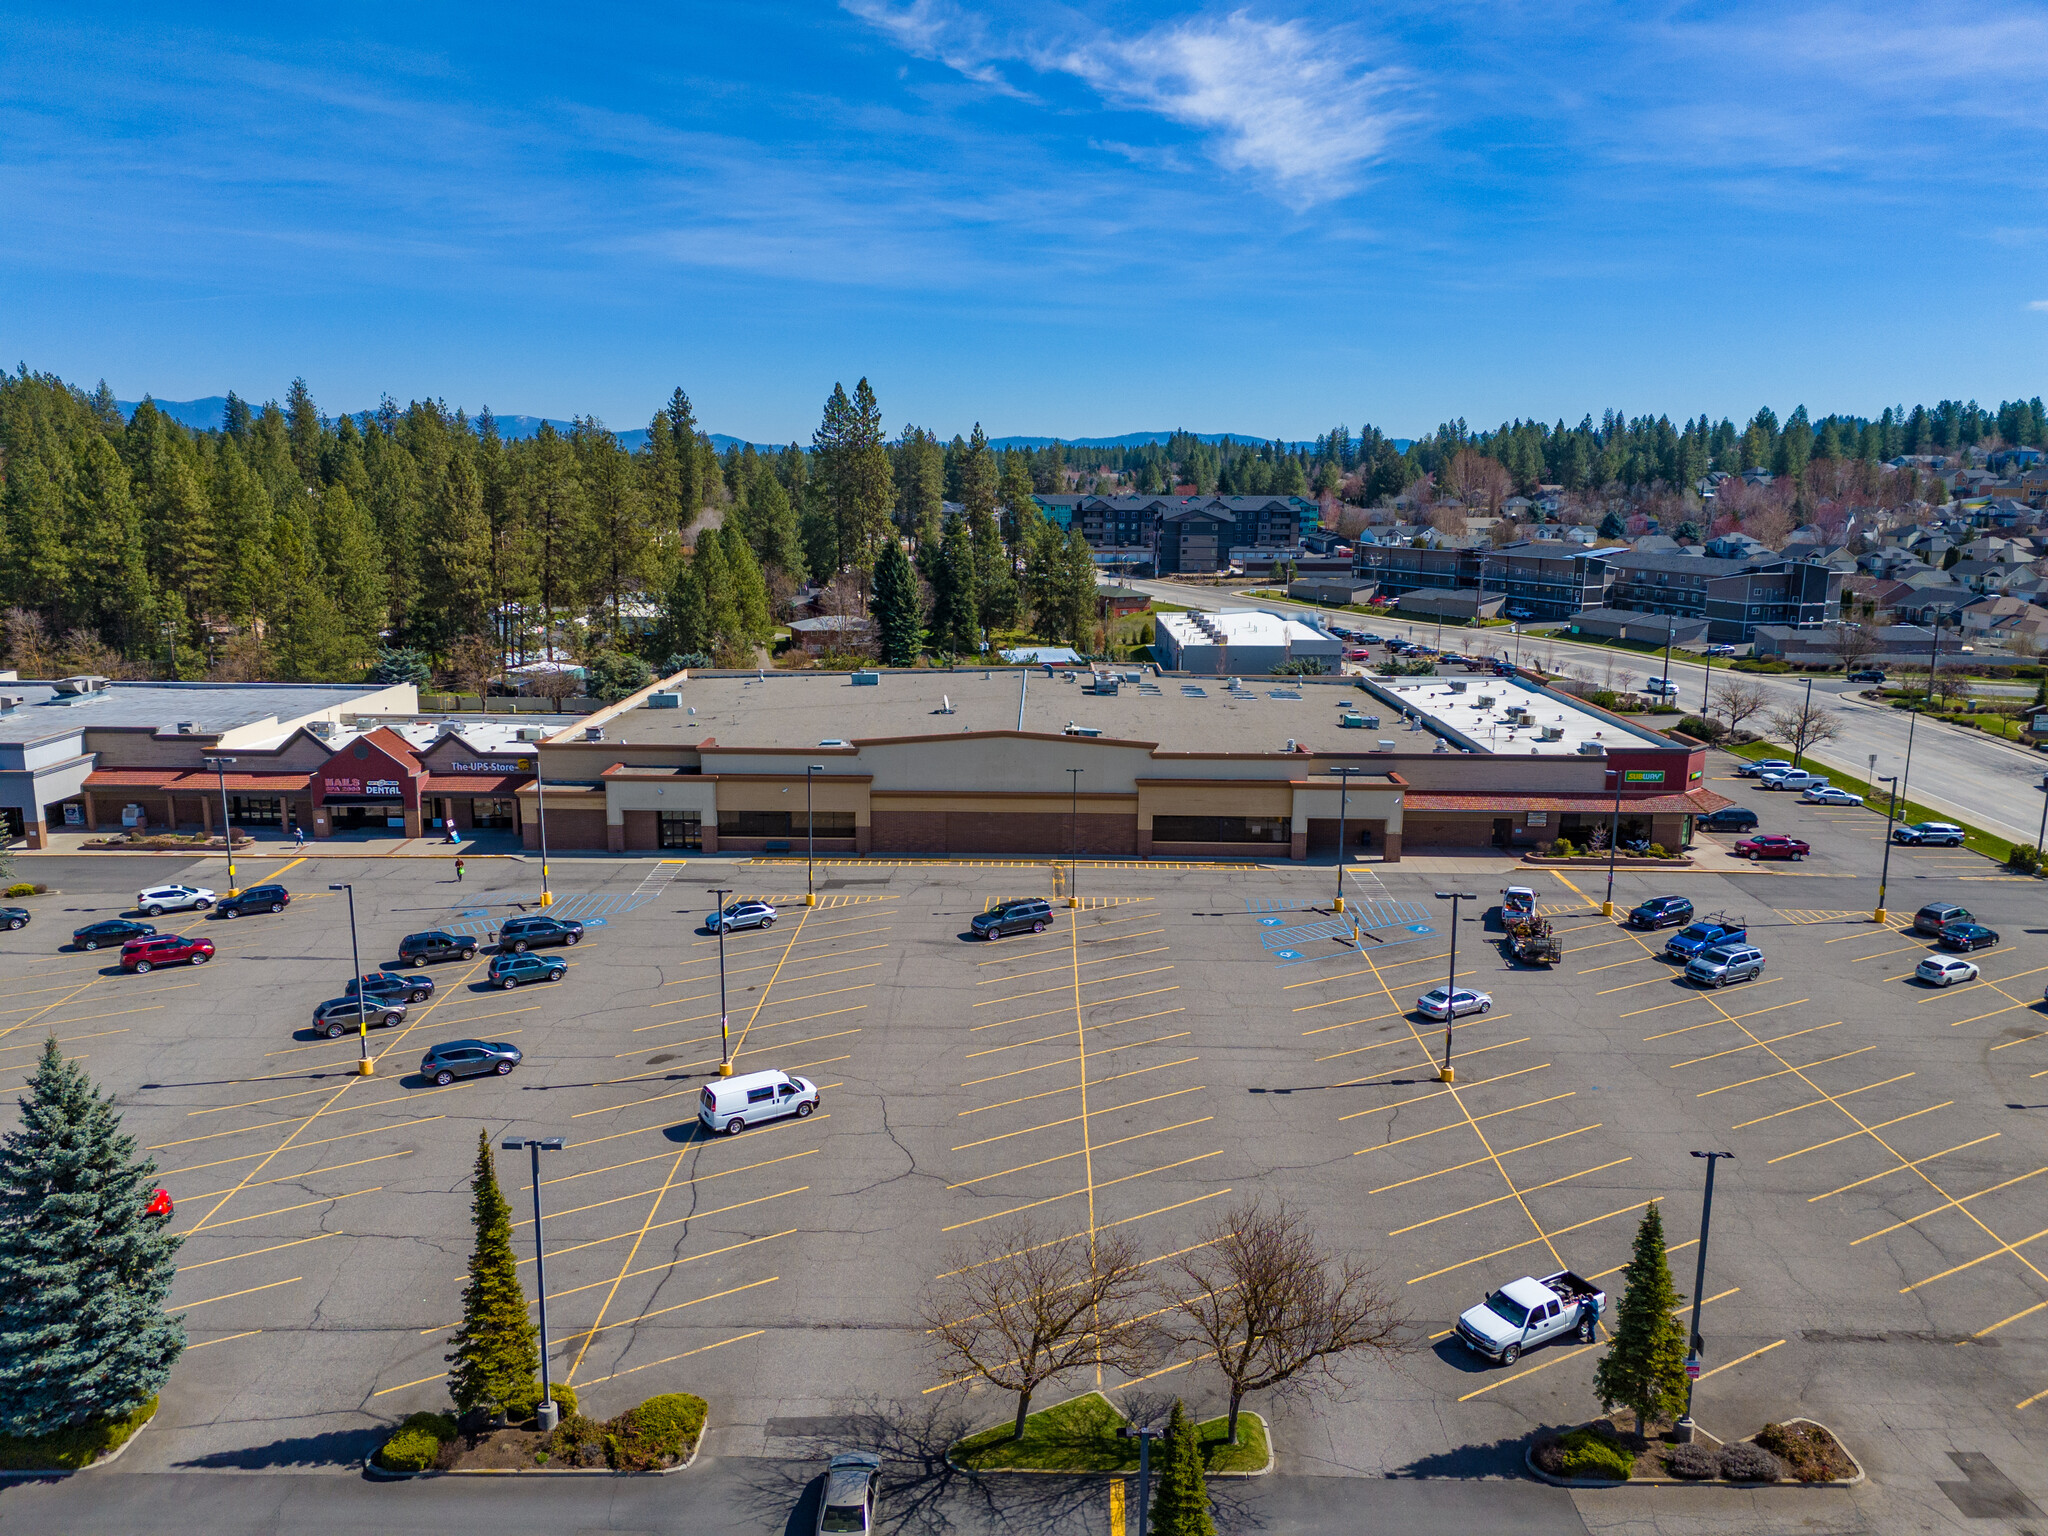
1642	776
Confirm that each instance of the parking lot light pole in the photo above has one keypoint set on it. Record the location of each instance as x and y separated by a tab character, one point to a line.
1891	807
220	766
1144	1434
1343	776
547	1415
811	834
1613	843
540	790
2041	836
365	1067
1074	837
1446	1075
1695	1345
724	1039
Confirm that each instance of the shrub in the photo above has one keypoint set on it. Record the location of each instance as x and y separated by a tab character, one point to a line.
656	1433
576	1442
521	1408
1583	1453
1746	1463
21	888
74	1447
1808	1451
416	1442
2025	858
1702	729
1658	851
1693	1462
1562	848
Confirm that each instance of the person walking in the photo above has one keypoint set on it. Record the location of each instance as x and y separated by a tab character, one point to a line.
299	839
458	871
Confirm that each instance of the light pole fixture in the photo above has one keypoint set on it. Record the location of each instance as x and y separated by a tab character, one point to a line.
220	766
1343	776
1144	1434
811	834
1613	843
364	1067
1445	1074
1670	634
540	790
724	1039
1805	722
1884	873
1074	837
547	1415
2042	835
1695	1346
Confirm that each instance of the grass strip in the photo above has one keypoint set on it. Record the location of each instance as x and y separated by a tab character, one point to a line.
1079	1435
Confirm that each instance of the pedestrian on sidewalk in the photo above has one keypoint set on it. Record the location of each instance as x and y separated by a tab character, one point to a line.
458	871
299	836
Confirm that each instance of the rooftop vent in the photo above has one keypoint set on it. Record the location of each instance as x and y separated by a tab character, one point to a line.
85	682
324	729
1385	745
593	733
9	703
531	732
865	679
832	741
187	727
663	701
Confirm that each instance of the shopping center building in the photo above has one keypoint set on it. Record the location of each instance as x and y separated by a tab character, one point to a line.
1120	763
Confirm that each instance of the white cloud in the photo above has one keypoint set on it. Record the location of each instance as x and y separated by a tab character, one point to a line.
1306	109
2038	304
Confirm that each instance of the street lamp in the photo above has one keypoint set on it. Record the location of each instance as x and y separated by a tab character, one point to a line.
220	766
2042	835
1695	1346
365	1067
1074	837
1613	842
724	1039
1343	776
540	790
1451	980
1805	722
547	1415
811	851
1144	1434
1891	806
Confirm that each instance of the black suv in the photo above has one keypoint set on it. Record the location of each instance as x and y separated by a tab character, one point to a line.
419	948
389	986
1661	912
115	931
1033	914
1730	818
256	898
524	933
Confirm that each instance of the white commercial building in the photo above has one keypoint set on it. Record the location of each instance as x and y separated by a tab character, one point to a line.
1243	640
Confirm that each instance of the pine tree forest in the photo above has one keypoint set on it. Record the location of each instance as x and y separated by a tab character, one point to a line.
298	546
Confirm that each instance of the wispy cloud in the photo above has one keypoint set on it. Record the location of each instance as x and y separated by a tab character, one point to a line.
1306	109
2041	304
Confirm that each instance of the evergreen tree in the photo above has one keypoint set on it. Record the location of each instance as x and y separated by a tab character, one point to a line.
1611	526
1644	1368
83	1272
354	566
495	1358
921	487
978	476
771	523
896	606
457	555
1180	1503
752	624
956	623
1020	506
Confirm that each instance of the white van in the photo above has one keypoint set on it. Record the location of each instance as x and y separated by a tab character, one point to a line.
730	1104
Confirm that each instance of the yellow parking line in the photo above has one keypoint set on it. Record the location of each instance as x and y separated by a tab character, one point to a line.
293	1178
1078	1151
1088	1189
1482	1161
1617	965
1739	1360
1073	1119
1100	981
1092	1083
1994	1013
1754	1044
2023	1039
1373	1019
1904	1166
1947	1205
1543	1237
1515	1194
306	1205
1069	1060
1459	1125
1787	1072
1816	1103
229	1340
2012	1248
2025	1312
663	1045
741	1338
1862	1131
273	1248
187	1306
991	981
1437	1093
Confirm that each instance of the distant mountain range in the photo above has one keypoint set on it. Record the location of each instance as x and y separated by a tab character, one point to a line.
206	415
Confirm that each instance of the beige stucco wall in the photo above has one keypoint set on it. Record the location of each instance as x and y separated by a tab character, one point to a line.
1247	799
1360	805
786	793
683	793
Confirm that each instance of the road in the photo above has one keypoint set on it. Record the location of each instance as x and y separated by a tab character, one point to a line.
1955	771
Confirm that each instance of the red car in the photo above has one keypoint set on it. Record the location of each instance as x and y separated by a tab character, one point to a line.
1771	846
1360	654
164	949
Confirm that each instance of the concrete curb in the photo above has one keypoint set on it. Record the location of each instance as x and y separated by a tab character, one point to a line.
105	1461
1529	1461
1539	861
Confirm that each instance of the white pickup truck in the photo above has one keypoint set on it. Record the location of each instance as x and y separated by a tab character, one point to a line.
1527	1312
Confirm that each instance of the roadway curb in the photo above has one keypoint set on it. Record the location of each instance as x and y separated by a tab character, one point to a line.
1529	1461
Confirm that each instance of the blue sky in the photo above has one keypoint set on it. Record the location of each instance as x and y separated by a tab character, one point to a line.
1072	220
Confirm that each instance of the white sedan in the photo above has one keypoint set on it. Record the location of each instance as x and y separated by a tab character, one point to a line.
173	898
1827	794
1437	1003
1945	970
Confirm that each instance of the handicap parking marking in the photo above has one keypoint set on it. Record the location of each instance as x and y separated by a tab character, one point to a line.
1271	922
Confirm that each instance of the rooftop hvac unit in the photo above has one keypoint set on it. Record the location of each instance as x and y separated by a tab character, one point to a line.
9	703
187	727
324	729
1385	745
1592	749
1351	722
531	732
664	701
1083	730
1457	685
1550	733
85	682
865	679
593	733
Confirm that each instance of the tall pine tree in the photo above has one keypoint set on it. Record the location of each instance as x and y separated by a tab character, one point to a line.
1644	1368
1180	1504
897	607
495	1357
956	622
83	1272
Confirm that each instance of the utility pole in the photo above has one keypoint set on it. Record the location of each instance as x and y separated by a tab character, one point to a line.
724	1037
1343	776
1805	721
1696	1346
1446	1075
547	1415
540	790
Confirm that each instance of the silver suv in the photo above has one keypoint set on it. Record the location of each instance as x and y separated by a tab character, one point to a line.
1718	967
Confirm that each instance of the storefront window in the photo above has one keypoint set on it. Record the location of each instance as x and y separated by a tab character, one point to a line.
784	824
491	813
1220	829
256	810
682	829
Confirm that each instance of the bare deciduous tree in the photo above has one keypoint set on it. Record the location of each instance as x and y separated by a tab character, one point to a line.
473	662
28	642
1738	702
556	684
1020	1308
1271	1307
1801	726
1857	644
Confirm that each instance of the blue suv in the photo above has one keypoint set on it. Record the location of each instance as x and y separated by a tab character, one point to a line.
509	971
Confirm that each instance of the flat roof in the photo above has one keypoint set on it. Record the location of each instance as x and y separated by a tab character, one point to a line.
212	708
1473	714
1181	714
1239	626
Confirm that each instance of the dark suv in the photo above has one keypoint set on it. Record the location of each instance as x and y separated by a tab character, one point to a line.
256	898
1730	818
523	933
468	1058
1033	914
390	987
419	948
1661	912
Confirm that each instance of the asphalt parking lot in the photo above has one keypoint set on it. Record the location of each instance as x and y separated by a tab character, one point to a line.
1192	1035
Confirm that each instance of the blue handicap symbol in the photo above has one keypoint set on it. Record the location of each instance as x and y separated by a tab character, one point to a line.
593	922
1420	928
1287	954
479	912
1271	922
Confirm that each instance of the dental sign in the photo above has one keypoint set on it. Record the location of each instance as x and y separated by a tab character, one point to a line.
335	786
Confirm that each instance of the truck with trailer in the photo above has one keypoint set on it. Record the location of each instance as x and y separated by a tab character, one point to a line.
1527	1312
